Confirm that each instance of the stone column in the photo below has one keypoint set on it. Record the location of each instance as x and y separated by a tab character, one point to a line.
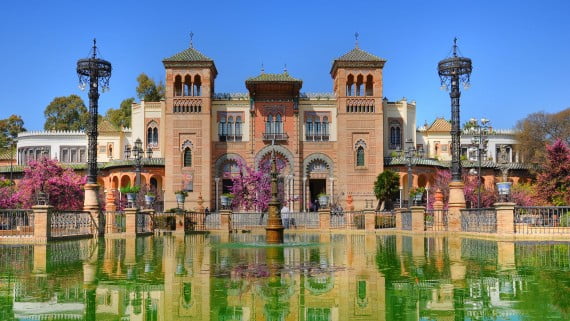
369	220
42	222
418	213
226	220
505	218
91	204
131	221
456	204
324	219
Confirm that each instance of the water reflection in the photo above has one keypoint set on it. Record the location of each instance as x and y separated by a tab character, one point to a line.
328	277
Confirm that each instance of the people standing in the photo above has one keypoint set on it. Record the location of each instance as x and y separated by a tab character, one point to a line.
285	216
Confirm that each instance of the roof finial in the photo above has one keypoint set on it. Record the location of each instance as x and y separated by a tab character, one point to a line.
285	69
356	37
262	68
94	47
191	36
455	47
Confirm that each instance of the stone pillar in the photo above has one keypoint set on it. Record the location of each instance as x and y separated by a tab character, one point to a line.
226	220
506	255
457	267
398	213
109	221
369	220
324	219
438	211
418	213
505	218
42	222
131	221
180	228
110	201
40	259
91	204
456	204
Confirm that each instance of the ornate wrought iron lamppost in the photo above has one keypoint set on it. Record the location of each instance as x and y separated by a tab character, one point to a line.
138	155
453	71
411	153
96	73
480	130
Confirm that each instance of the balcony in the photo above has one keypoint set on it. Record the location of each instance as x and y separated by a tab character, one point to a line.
275	136
229	138
317	138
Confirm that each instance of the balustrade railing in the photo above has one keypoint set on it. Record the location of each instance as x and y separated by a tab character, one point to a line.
481	220
16	222
248	220
435	220
542	220
385	219
338	220
71	223
307	220
406	220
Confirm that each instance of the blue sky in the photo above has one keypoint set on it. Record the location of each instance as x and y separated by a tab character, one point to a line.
520	49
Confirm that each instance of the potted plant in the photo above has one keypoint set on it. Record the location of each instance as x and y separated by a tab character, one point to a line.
323	200
416	194
131	192
180	196
226	199
149	198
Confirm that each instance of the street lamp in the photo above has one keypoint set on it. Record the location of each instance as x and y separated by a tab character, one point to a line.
480	129
96	73
452	71
138	154
411	154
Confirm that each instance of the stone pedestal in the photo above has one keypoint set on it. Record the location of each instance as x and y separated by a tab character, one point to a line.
438	206
42	222
226	220
131	221
324	219
369	220
505	218
418	213
456	204
91	204
110	205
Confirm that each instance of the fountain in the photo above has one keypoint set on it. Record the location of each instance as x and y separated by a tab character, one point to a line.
274	229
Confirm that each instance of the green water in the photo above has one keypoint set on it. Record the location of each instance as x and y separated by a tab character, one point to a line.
324	277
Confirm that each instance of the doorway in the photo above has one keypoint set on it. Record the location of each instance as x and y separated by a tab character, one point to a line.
316	187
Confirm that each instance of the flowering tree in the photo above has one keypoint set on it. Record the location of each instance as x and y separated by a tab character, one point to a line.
63	187
252	188
471	191
553	183
7	191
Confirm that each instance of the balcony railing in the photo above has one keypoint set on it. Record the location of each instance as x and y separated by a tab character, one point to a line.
275	136
230	138
317	137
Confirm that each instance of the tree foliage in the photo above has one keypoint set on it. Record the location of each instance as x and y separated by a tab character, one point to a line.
66	113
252	188
386	188
9	130
553	183
148	89
539	129
63	187
121	117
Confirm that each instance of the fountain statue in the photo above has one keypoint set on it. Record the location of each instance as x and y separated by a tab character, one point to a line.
274	229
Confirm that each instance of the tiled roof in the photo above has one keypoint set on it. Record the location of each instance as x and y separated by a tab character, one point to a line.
106	126
7	154
358	54
189	54
392	161
283	77
80	166
440	125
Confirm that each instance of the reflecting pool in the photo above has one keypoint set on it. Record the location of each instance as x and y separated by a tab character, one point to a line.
312	277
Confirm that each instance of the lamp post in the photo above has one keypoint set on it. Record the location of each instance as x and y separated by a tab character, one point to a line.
480	130
138	154
96	73
410	154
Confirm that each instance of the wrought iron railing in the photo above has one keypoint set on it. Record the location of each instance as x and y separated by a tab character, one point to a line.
16	222
275	136
435	220
116	221
248	220
72	223
144	222
213	221
542	220
307	220
481	220
338	220
164	221
406	220
195	221
385	219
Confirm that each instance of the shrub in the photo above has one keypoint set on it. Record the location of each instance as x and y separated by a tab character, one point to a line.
129	189
565	219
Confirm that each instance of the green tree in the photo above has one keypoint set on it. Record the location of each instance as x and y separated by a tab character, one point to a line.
539	129
386	188
148	90
9	130
121	117
66	113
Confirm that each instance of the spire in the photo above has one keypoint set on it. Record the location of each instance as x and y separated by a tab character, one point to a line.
356	37
262	68
455	47
191	42
285	69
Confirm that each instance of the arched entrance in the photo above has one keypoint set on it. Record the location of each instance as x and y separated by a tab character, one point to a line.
318	179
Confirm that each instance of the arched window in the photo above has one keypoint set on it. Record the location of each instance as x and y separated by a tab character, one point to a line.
359	85
152	134
222	129
197	86
395	135
325	128
278	124
269	125
230	126
350	85
360	156
155	135
309	128
187	85
178	86
187	157
238	128
369	85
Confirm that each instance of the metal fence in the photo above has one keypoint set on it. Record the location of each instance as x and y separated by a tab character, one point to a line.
116	221
144	223
71	223
386	219
164	221
542	220
435	220
482	220
307	220
195	221
247	220
406	220
348	220
16	223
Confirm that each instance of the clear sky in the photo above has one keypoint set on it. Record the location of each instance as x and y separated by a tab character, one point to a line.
520	49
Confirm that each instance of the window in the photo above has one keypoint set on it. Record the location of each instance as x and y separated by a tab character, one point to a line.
326	127
395	136
360	156
178	86
317	126
350	85
222	129
197	86
359	85
278	124
369	85
238	127
230	126
187	157
187	86
309	127
152	134
269	124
